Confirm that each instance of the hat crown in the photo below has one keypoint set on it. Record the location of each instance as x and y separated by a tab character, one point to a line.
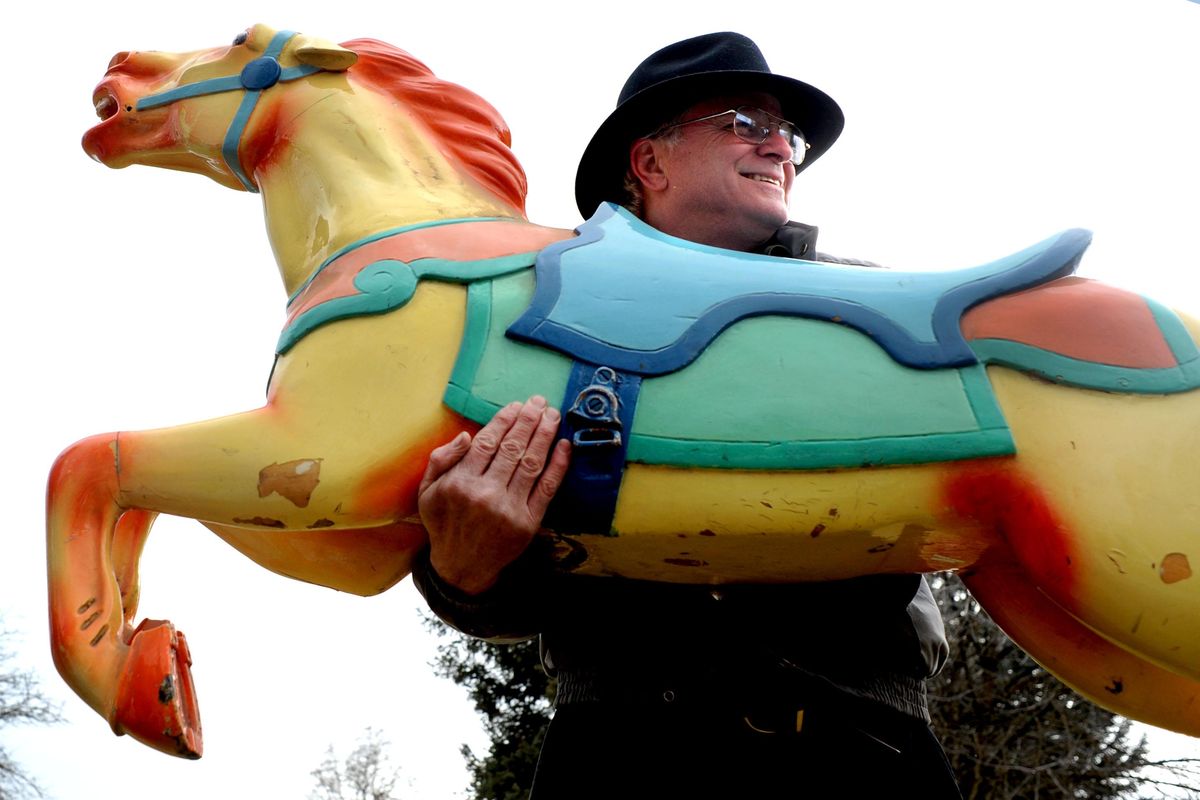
712	52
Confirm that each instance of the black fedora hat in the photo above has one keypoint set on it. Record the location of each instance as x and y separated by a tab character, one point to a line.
679	76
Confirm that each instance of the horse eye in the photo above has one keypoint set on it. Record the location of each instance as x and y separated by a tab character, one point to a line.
241	38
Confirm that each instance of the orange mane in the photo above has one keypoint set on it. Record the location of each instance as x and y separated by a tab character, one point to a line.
468	129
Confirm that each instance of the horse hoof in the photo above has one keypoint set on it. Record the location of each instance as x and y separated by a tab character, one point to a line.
156	700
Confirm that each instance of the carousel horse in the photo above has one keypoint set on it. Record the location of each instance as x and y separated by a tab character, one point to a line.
735	417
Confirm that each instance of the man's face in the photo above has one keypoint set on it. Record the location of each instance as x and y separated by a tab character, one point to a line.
720	189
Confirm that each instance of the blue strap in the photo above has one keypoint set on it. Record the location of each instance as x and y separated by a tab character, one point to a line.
598	408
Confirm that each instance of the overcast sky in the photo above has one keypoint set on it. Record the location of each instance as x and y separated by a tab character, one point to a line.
144	298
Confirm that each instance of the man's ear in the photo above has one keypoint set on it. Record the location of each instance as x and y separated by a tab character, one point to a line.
647	166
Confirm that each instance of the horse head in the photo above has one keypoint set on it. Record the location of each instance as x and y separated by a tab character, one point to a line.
180	110
394	145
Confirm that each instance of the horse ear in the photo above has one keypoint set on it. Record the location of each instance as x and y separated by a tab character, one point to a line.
319	53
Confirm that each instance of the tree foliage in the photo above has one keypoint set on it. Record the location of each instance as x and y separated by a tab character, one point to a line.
21	703
1010	729
512	693
366	774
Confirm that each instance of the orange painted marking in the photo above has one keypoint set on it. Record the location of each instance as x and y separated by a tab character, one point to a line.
1002	500
1078	318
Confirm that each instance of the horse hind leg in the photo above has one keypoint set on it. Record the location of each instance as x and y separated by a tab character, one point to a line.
1111	677
138	679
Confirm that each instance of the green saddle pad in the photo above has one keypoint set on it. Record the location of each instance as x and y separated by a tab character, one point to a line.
770	392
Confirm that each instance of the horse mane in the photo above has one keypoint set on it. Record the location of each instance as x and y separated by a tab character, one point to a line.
467	128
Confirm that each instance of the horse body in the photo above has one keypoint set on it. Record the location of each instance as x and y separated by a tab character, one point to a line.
320	483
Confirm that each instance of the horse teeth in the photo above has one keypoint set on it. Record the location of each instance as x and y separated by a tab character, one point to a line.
106	106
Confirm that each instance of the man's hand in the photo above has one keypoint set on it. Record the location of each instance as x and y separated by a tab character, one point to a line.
482	500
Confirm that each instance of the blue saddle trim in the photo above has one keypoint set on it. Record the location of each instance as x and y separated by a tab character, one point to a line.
679	295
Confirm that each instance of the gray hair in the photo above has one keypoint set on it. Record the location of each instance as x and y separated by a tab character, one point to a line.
633	197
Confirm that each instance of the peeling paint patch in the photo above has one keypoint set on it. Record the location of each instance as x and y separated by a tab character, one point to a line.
1116	687
293	480
1175	568
816	531
265	522
685	562
323	522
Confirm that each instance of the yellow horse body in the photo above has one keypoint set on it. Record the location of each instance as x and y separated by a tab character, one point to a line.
1078	546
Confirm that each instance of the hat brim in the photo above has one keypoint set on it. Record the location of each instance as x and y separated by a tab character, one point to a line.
601	174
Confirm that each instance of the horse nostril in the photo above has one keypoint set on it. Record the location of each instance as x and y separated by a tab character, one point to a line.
119	58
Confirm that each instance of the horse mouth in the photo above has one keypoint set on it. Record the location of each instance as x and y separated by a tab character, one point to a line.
106	105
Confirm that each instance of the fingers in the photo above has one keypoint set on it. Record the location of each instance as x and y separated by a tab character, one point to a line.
551	479
507	449
441	459
534	460
487	441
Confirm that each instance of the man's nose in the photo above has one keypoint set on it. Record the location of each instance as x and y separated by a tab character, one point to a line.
776	145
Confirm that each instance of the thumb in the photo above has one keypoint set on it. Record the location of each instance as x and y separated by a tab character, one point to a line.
443	458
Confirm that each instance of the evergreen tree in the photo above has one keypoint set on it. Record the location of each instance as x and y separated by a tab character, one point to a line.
1010	729
512	693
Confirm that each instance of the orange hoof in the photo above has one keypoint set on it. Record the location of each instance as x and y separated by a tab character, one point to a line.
156	701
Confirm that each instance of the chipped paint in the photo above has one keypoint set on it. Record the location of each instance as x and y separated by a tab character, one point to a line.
265	522
685	562
1175	568
707	532
817	529
323	522
166	690
1116	687
881	548
294	480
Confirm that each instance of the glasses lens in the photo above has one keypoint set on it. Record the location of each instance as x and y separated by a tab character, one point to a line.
795	138
755	125
751	124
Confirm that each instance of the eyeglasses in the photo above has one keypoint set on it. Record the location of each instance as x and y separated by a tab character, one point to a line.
754	125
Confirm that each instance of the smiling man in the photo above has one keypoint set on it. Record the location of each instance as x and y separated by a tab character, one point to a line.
676	690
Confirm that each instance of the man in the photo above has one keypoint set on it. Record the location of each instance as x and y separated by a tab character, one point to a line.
682	691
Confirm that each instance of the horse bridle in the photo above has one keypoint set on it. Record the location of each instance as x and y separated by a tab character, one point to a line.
257	76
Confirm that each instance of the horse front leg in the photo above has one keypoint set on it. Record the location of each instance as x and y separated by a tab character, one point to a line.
136	678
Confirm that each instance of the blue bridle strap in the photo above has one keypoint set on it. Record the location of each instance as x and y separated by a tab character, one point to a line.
258	75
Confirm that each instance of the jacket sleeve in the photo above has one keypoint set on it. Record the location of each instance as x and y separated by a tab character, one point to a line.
510	611
931	632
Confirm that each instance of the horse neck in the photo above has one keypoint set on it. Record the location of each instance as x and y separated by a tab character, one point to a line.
329	185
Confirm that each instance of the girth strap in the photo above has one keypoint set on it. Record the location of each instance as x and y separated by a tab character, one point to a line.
598	408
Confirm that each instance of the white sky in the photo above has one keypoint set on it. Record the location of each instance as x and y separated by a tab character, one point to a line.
145	298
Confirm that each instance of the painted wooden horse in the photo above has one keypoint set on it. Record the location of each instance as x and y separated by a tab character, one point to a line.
1040	442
